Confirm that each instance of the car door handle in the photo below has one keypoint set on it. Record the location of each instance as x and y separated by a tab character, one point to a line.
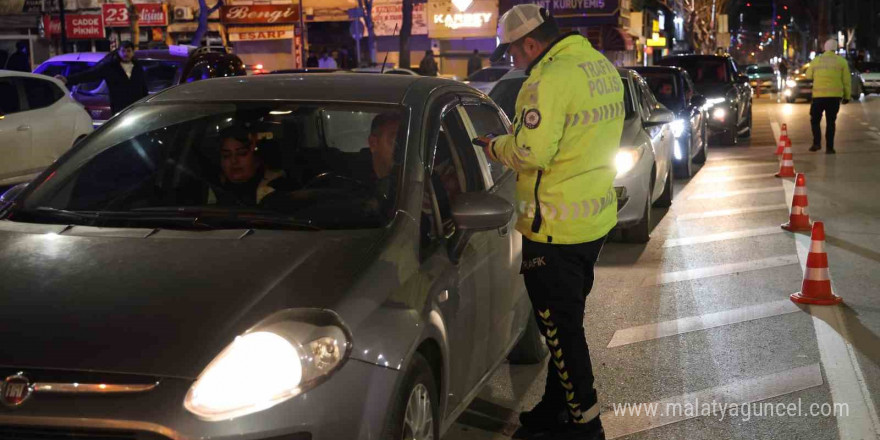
24	127
504	230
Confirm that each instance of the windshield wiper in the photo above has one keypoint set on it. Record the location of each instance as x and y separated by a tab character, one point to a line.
226	217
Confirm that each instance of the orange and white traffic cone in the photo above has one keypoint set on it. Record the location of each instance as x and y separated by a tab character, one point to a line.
817	280
799	216
786	168
784	141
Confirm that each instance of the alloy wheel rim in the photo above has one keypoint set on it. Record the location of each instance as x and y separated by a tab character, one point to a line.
418	422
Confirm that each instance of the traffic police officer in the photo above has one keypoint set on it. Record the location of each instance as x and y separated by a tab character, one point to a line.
831	84
568	124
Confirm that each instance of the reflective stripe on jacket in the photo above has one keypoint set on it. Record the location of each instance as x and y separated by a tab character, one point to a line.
831	77
567	130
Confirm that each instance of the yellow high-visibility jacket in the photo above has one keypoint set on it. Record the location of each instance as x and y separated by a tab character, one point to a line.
568	126
831	77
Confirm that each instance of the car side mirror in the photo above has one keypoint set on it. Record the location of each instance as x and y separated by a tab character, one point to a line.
7	197
660	116
475	212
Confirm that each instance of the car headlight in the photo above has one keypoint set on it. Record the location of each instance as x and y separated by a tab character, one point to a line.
627	158
719	114
790	83
677	127
286	354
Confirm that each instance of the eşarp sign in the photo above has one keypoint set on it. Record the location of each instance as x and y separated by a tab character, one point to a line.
462	18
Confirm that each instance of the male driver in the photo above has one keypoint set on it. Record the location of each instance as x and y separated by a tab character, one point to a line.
568	124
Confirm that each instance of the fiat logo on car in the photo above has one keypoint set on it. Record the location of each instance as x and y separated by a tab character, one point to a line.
15	390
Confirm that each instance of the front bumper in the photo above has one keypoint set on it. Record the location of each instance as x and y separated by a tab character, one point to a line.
351	404
634	186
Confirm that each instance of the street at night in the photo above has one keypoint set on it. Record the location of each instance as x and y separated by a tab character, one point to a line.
439	219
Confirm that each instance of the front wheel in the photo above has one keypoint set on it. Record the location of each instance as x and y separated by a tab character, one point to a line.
531	348
683	169
641	231
700	158
748	133
414	414
665	199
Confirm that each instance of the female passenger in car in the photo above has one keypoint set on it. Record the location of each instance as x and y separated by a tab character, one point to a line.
245	180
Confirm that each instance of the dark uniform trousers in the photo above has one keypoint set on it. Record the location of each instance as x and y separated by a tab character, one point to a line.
829	106
558	278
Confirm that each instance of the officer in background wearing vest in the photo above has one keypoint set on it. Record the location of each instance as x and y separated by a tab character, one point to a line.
831	85
566	203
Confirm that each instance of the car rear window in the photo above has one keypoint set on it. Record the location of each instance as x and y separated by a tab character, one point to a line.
487	75
665	88
701	70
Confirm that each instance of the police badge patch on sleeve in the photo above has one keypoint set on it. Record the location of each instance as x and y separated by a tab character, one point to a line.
532	119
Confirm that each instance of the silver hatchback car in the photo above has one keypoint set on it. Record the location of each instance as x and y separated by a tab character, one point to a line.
272	257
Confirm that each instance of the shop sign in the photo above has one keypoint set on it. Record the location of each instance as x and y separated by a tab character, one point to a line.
32	6
389	13
149	14
261	35
259	14
79	26
570	8
462	18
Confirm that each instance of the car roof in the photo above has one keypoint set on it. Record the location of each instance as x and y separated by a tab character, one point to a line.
695	57
339	87
158	54
667	69
78	56
13	73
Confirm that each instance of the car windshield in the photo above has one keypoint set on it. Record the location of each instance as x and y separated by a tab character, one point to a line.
759	70
701	70
487	75
160	74
869	67
230	165
665	88
504	94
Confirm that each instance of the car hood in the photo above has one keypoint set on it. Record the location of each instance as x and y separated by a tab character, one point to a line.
157	303
714	90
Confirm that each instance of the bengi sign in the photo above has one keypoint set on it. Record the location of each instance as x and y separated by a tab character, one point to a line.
259	14
462	18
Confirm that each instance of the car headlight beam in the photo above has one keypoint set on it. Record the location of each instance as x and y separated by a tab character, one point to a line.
677	127
268	364
627	158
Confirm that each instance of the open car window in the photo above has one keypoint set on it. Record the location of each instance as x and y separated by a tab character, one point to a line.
227	164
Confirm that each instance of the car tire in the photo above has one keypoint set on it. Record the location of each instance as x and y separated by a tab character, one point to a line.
665	199
641	231
683	169
531	348
748	133
730	136
418	384
700	158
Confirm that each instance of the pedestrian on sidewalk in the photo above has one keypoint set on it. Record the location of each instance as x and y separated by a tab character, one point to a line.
428	66
566	200
475	63
831	87
326	61
123	74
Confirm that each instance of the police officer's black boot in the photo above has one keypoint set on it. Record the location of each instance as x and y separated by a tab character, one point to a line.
544	418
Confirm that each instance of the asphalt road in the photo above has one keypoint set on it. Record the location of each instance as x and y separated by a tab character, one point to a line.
701	316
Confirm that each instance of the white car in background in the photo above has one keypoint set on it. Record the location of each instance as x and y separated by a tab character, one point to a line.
39	121
644	162
485	78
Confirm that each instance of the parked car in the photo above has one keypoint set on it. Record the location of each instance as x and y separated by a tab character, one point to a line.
727	91
763	77
163	68
672	86
38	123
388	70
341	306
799	86
485	78
870	73
644	162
